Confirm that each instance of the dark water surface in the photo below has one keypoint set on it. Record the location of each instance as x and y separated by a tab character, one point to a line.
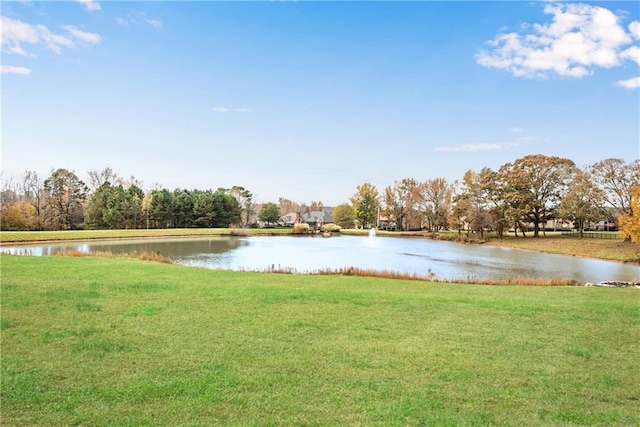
405	255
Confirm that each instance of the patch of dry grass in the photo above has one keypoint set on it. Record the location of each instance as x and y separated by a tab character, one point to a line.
145	256
430	277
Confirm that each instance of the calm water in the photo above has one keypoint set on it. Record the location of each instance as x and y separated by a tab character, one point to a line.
308	254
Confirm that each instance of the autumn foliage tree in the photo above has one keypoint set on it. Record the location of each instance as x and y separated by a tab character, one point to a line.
431	202
630	222
474	203
583	202
534	186
616	179
17	216
33	194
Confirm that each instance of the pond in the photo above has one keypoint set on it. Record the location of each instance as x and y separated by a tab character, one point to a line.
444	260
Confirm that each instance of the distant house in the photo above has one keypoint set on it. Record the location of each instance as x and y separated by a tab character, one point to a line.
602	226
387	224
556	224
314	218
318	218
290	219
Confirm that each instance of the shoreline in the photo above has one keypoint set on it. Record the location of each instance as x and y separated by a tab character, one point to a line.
215	233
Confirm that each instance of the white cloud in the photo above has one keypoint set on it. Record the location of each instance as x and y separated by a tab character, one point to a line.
135	17
90	5
155	23
91	38
633	83
580	38
632	53
517	130
10	69
15	34
220	109
474	147
634	28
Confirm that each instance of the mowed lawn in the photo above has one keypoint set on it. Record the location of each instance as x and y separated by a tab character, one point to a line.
116	341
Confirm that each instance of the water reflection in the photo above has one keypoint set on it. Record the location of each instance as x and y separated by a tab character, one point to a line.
170	248
406	255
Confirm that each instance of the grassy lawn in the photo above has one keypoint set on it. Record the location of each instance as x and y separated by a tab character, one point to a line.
117	341
35	236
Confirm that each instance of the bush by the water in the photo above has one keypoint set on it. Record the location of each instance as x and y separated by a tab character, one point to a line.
301	228
331	228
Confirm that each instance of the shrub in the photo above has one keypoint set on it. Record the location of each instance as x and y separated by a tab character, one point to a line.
301	228
331	228
239	232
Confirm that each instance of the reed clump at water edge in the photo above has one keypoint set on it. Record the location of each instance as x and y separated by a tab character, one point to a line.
350	271
428	277
145	256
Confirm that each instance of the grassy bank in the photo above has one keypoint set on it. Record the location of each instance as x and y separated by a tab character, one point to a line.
115	341
42	236
613	250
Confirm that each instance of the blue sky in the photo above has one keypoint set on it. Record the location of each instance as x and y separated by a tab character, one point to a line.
307	100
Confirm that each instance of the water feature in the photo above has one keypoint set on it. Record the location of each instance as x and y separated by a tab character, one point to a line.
372	232
405	255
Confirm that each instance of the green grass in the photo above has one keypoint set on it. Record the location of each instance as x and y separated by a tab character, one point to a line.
118	341
35	236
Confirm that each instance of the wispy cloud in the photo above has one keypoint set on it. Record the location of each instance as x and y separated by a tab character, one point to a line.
16	33
518	130
10	69
91	38
90	5
155	23
230	110
135	17
475	147
580	38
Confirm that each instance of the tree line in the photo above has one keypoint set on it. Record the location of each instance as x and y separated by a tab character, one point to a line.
64	202
519	195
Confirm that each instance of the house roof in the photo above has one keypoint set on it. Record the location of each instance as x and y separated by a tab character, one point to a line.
323	216
288	218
